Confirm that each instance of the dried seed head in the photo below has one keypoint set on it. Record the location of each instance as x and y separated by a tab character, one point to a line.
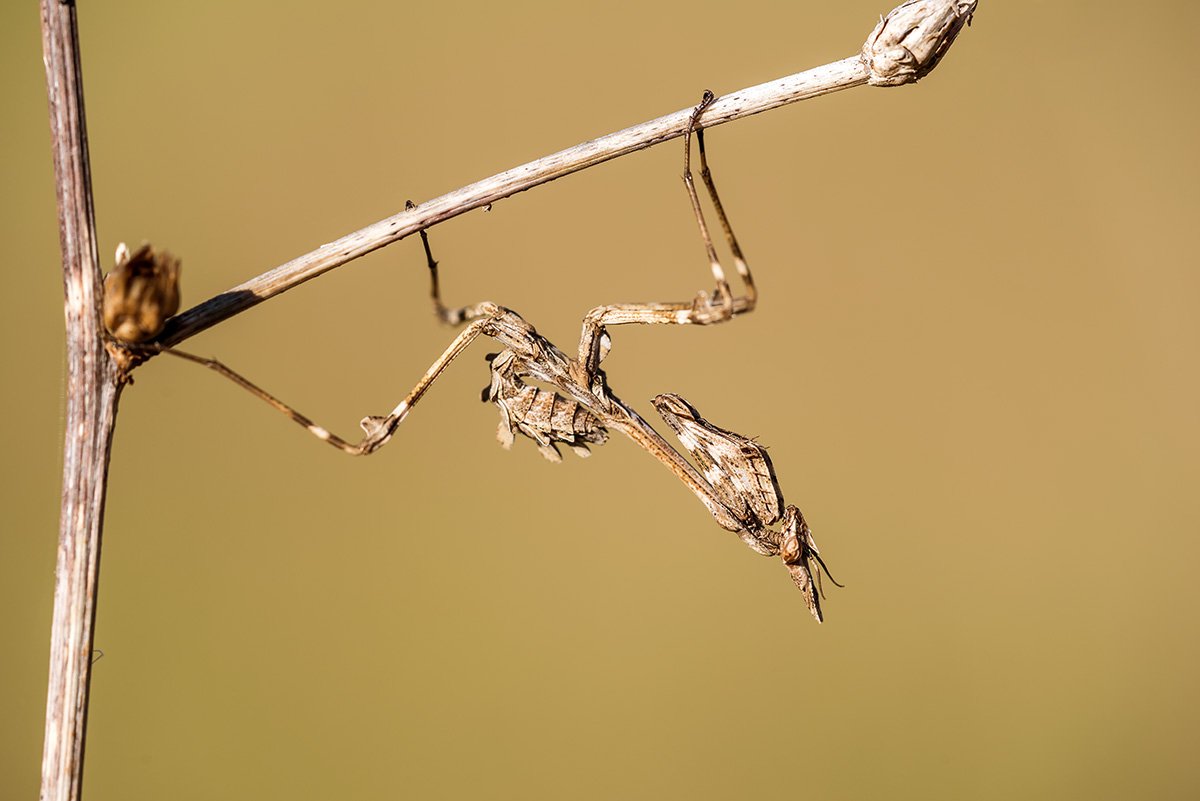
910	41
140	293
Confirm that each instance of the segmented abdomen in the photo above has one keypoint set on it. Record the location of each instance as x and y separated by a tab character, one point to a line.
540	414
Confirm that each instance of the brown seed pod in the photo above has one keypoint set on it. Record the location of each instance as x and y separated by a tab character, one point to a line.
910	41
140	293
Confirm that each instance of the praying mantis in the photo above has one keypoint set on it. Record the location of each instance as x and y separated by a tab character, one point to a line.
732	475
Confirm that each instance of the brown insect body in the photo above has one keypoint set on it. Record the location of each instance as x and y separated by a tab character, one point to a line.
737	467
543	415
552	398
741	474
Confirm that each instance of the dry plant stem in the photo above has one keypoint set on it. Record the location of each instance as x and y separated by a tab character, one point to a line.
92	393
813	83
903	48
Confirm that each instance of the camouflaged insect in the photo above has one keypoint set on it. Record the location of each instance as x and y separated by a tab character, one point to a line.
574	406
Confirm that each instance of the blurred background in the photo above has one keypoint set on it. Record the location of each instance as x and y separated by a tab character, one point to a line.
979	334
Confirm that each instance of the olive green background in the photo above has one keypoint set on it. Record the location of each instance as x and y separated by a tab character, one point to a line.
975	363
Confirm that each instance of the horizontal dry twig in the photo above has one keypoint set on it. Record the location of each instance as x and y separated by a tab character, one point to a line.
903	48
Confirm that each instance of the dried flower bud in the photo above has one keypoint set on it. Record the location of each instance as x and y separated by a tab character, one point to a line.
140	293
910	41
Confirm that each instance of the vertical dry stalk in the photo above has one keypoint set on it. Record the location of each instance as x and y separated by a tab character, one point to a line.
92	393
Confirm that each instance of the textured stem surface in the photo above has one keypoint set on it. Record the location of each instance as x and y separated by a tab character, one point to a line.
813	83
92	393
905	46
